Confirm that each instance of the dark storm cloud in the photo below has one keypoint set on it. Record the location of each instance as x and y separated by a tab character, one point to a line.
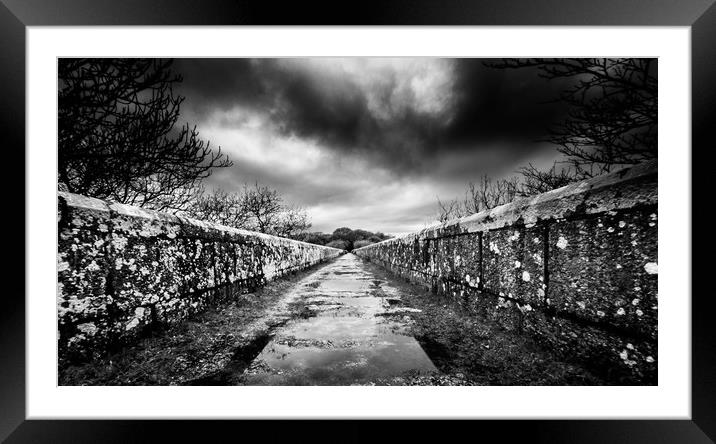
488	106
368	142
334	112
500	104
296	102
219	82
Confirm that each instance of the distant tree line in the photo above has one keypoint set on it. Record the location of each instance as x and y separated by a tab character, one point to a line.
343	238
611	123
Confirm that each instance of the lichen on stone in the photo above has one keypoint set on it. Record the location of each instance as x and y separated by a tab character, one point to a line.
562	243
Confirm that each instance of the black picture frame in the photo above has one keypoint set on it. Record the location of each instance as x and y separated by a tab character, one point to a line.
700	15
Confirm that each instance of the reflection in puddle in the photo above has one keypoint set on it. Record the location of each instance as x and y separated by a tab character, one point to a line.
355	334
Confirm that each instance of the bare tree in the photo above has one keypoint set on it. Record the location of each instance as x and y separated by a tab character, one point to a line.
612	120
448	210
263	206
118	137
255	208
535	181
292	222
486	194
489	193
219	207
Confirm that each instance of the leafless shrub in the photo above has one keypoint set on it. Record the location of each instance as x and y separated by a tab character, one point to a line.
535	181
255	208
483	195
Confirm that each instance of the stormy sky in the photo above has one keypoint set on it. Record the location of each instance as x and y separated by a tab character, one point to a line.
368	143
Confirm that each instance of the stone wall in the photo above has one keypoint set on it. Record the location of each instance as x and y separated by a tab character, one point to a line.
123	270
575	267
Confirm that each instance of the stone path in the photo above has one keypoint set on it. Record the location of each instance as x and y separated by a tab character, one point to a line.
351	329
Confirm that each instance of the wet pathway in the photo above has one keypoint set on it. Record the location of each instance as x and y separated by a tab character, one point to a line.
350	329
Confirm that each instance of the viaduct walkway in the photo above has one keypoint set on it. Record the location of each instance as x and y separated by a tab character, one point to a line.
350	329
562	285
345	322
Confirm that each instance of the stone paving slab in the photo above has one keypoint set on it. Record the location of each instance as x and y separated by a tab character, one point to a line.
352	334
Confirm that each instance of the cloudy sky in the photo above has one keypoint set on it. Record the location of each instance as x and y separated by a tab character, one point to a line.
367	143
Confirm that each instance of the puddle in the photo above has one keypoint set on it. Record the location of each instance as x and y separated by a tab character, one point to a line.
354	334
398	311
394	355
345	283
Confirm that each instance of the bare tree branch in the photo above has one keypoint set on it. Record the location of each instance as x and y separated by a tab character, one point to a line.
612	121
535	181
255	208
484	195
118	137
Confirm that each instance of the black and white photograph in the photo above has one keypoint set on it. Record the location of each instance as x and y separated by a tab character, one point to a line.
240	215
367	221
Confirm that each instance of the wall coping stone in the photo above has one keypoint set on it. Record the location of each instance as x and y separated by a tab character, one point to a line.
101	205
609	192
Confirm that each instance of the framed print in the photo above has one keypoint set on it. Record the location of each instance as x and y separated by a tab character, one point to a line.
452	211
